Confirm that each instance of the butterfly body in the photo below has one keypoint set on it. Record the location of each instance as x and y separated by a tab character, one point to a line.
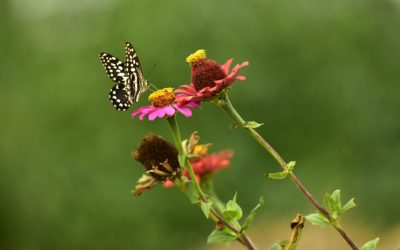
127	76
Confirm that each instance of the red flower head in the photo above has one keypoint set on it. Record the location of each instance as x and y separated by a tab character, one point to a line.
204	163
208	78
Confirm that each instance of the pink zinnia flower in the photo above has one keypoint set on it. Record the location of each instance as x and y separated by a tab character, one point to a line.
164	104
208	78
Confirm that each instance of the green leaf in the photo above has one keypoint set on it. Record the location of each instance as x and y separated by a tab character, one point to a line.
281	245
220	236
249	219
252	124
370	245
329	203
232	210
318	219
291	165
276	246
350	204
337	202
206	207
191	192
181	160
278	176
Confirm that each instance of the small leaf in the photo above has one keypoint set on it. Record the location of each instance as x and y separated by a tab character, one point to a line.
291	165
252	124
370	245
232	210
336	201
206	207
350	204
220	236
249	219
191	192
181	160
329	203
318	219
276	246
277	176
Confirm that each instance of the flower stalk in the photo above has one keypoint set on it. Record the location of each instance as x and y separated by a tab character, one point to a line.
227	106
214	215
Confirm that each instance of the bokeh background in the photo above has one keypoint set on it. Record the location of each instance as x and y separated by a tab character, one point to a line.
324	80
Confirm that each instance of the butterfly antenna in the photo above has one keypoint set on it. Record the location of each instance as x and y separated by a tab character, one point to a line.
153	87
151	70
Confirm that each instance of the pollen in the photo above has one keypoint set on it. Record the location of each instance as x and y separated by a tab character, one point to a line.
162	97
196	57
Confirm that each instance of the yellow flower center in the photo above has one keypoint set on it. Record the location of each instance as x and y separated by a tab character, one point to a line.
162	97
196	57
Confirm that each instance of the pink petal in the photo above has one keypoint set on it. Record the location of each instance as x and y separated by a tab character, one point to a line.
141	110
187	112
192	104
169	110
156	113
227	65
238	67
186	89
241	78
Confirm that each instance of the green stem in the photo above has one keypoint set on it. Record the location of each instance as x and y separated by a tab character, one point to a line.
227	106
178	142
214	215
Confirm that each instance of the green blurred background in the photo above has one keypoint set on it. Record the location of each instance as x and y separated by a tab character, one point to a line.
324	80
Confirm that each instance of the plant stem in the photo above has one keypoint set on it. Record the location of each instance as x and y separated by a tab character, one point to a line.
227	106
242	237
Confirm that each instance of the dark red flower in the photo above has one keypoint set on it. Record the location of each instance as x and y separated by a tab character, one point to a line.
208	78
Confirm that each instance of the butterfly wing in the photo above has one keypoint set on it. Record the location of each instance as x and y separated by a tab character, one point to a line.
114	68
135	81
119	96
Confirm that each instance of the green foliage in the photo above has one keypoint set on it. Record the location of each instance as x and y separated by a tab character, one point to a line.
252	124
370	245
232	210
278	245
182	160
249	219
283	174
206	207
191	192
333	204
221	236
318	219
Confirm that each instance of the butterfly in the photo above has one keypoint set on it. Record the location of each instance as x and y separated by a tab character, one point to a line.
127	76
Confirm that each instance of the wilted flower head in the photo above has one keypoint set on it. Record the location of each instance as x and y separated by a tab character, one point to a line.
164	104
160	158
208	78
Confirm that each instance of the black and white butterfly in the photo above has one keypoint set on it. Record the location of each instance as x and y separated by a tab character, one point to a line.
128	78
